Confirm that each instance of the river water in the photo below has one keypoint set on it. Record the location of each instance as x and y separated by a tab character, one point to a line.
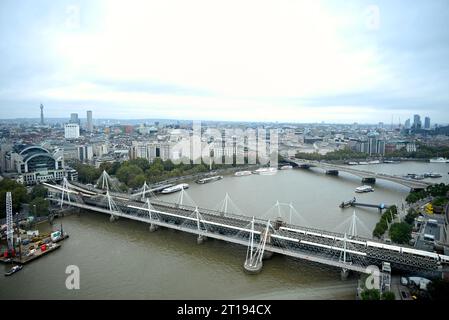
122	260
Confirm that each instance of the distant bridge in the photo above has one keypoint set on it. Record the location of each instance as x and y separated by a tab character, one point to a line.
367	176
347	252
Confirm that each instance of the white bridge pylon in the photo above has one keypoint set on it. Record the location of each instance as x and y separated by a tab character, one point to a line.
278	210
65	191
112	206
105	182
144	190
254	255
183	194
227	206
352	225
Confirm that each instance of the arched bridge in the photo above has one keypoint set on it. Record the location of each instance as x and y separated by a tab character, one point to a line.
367	176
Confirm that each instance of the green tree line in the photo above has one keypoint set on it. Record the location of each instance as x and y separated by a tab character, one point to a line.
422	152
436	190
386	218
36	198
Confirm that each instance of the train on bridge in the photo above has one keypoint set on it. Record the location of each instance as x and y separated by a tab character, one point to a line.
347	252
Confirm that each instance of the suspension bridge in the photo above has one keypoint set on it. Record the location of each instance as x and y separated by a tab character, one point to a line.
261	236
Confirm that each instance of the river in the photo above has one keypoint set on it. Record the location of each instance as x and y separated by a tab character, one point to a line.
123	260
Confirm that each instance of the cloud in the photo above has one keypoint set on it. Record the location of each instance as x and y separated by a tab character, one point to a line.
230	59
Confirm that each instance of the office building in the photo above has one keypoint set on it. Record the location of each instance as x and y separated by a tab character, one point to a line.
427	123
74	119
90	125
71	131
42	115
407	124
416	121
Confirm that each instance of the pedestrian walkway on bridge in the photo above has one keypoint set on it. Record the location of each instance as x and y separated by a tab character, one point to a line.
277	234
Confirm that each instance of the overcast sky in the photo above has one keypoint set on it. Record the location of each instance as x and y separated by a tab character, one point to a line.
299	61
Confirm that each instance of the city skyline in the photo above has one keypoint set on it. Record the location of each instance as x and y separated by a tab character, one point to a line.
295	62
88	120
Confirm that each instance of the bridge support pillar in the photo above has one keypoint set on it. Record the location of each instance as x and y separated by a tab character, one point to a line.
267	255
153	227
369	180
253	269
344	274
201	239
332	172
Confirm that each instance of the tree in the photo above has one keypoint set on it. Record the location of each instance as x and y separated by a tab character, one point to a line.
128	172
439	289
41	207
388	295
142	163
400	232
380	229
87	173
439	201
370	294
411	215
168	165
137	181
38	191
394	210
18	193
156	169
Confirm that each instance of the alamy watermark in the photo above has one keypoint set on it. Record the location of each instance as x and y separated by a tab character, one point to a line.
373	280
72	282
225	146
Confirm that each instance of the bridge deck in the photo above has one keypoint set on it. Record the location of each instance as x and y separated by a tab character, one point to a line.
295	241
365	174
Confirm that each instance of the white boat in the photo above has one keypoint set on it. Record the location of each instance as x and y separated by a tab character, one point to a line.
242	173
352	163
176	188
287	167
209	179
266	171
365	188
13	270
432	175
374	162
438	160
363	162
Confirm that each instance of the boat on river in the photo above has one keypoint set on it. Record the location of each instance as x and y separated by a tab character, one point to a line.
242	173
13	270
209	179
175	188
364	188
266	171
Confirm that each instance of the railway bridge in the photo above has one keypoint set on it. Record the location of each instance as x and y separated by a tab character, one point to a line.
262	237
